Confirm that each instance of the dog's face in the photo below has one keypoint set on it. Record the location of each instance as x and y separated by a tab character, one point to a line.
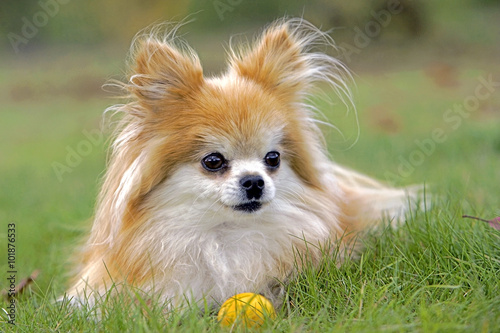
236	149
239	178
231	144
249	185
240	146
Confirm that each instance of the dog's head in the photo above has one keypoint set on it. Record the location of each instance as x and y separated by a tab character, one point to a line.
229	144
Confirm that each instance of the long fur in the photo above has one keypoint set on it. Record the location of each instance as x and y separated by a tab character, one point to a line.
165	225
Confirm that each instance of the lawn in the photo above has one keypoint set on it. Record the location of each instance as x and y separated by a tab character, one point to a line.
437	273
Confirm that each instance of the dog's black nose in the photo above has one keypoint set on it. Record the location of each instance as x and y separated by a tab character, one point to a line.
253	186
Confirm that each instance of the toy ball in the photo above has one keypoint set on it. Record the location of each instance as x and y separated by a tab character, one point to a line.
248	309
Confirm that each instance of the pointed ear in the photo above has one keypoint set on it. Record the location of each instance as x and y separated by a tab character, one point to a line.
288	59
274	62
162	71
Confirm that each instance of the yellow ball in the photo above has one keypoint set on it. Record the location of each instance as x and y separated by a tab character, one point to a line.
248	309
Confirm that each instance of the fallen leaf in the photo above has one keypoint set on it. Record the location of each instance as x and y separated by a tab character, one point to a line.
494	223
22	286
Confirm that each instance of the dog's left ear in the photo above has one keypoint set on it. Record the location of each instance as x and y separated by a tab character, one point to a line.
289	59
282	60
276	62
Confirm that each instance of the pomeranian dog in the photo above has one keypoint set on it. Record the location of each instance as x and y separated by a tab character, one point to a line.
216	185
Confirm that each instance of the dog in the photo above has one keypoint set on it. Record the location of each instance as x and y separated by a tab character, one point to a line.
216	185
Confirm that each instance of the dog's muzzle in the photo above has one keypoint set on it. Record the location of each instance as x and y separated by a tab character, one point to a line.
253	188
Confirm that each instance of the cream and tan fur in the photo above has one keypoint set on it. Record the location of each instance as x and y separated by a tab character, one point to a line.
216	185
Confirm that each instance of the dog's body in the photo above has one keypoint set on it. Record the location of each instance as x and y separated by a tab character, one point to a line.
217	185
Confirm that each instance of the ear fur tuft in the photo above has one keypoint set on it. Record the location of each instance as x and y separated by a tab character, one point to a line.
285	60
163	71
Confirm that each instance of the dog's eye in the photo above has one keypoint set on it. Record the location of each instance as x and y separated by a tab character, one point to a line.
272	159
213	162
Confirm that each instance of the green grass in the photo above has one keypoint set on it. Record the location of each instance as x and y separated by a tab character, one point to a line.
437	273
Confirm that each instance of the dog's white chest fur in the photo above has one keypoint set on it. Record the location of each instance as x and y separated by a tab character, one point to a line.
211	254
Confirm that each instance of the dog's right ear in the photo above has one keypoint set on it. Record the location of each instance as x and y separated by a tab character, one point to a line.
163	73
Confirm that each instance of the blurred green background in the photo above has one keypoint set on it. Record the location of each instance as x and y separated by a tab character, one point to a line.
113	21
412	60
29	26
